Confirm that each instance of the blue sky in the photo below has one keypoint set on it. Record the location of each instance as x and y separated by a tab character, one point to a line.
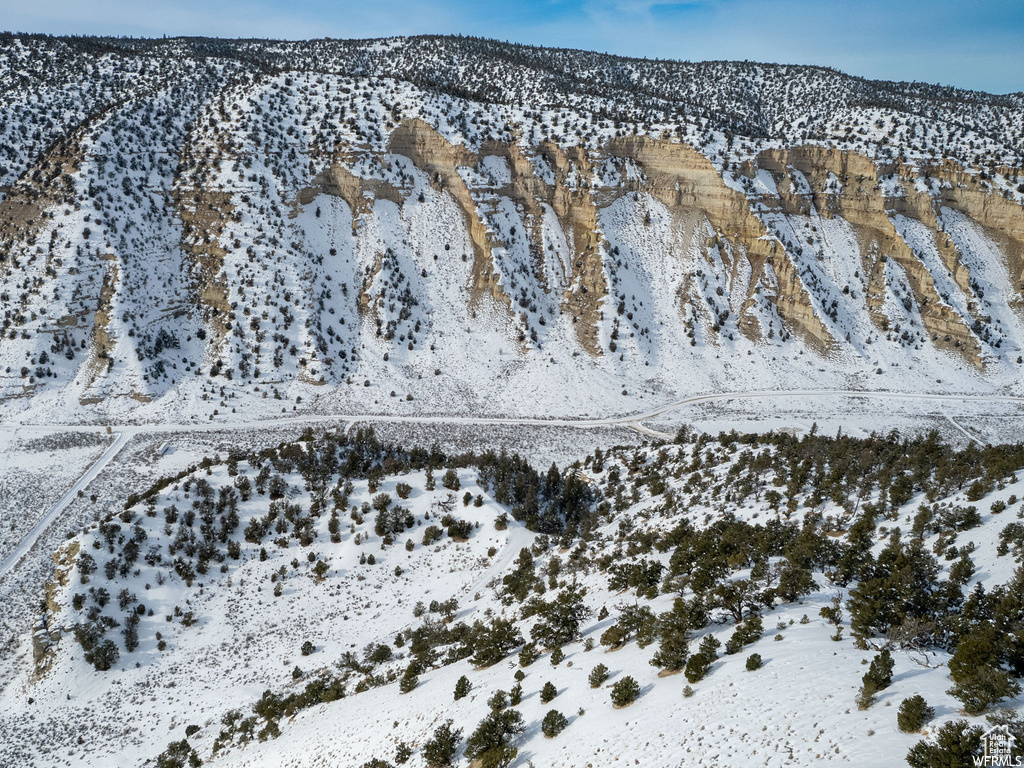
970	43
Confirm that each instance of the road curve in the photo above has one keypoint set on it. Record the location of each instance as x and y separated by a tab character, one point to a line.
54	512
630	421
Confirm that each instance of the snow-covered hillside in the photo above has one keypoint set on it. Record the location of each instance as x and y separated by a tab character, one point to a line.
319	603
191	229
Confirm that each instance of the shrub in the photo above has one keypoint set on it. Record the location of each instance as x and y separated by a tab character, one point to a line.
403	753
528	654
450	480
431	534
554	723
625	692
913	714
462	687
307	648
548	692
557	657
956	743
598	675
439	751
754	662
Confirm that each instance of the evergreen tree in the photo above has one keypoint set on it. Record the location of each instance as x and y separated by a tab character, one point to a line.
451	480
914	712
673	629
983	688
554	723
548	692
402	753
625	692
528	654
699	664
490	743
492	643
598	675
956	744
518	583
561	618
877	678
462	688
440	750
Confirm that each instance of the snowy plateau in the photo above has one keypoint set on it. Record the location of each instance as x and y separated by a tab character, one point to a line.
439	401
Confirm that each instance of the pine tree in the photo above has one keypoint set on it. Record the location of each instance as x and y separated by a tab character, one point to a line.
548	692
493	643
561	618
440	750
554	723
598	675
673	629
956	744
462	688
490	743
451	480
980	690
914	712
699	664
625	692
403	753
528	655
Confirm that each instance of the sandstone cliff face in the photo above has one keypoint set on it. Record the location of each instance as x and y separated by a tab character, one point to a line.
262	281
684	180
847	185
832	183
203	213
1003	220
440	160
46	636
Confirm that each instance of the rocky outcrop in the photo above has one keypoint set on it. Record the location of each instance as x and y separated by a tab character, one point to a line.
45	634
847	184
204	213
358	193
440	159
1002	219
684	180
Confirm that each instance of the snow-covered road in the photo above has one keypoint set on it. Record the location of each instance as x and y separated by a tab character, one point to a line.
629	421
53	513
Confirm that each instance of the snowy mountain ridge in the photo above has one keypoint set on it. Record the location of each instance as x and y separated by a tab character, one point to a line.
438	225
